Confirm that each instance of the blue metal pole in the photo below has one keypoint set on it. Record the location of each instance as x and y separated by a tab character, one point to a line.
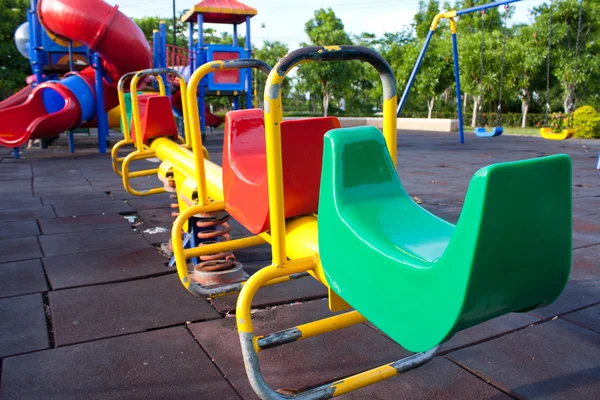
156	49
235	35
236	102
163	53
457	80
71	141
191	46
485	6
201	86
413	74
100	112
249	93
70	43
36	43
16	154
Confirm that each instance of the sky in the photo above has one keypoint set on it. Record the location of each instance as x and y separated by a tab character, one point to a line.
284	20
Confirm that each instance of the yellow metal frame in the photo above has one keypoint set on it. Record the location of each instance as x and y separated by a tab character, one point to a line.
142	151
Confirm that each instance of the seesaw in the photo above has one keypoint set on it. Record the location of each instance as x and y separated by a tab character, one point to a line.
426	278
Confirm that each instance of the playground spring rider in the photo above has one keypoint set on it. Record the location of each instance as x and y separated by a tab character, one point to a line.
465	267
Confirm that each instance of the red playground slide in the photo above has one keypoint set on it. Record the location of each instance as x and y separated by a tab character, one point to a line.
17	98
53	107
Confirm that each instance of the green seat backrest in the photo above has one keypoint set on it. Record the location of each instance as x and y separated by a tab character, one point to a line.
413	275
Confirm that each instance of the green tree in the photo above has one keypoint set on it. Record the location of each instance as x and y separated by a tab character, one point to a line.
327	78
565	22
14	68
269	52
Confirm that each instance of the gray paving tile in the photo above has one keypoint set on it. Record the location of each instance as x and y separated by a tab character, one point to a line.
18	249
18	201
81	242
82	223
104	207
103	266
150	202
163	364
22	277
588	318
23	327
19	214
17	229
94	312
553	360
60	198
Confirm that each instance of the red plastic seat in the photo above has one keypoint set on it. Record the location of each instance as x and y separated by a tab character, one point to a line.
156	118
245	166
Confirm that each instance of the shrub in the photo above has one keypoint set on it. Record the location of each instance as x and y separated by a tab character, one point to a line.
586	122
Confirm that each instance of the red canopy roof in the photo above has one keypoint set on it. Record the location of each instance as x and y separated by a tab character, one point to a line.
220	12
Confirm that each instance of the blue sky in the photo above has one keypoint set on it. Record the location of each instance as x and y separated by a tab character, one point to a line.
284	20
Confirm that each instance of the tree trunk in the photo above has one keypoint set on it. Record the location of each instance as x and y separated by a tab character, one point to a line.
325	103
430	104
474	118
524	109
465	101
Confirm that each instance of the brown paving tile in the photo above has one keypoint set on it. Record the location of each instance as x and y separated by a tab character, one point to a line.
488	329
94	312
22	277
19	214
302	364
583	206
586	230
105	207
103	266
588	318
439	379
18	249
23	327
81	242
17	229
82	223
163	364
553	360
582	290
296	290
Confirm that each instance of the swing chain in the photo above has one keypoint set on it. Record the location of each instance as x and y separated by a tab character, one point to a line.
504	34
577	48
548	65
482	48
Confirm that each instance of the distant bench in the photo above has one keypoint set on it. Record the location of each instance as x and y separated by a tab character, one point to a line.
412	124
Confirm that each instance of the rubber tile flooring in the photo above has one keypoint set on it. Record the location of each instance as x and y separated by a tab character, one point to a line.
90	309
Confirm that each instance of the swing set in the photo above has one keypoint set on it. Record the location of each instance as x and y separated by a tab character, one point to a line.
497	130
546	131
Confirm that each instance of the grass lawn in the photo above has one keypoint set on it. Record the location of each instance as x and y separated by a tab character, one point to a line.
514	130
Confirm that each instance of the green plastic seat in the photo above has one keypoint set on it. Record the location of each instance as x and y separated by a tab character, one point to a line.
419	278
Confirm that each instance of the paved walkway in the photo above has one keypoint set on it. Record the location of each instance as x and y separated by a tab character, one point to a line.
88	308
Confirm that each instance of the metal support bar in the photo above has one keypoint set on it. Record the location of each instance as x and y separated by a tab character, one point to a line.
101	114
413	74
484	7
201	53
248	49
461	131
